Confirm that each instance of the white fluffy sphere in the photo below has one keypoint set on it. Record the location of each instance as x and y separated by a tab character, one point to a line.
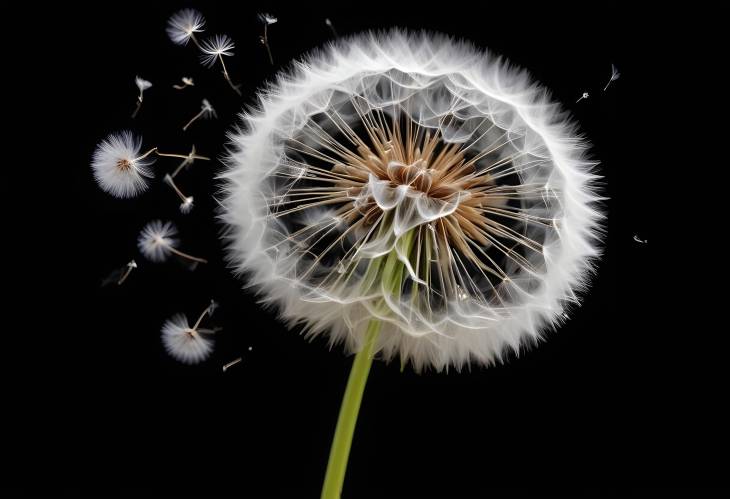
420	181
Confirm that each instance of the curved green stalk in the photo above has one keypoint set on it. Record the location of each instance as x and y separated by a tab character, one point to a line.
340	451
386	271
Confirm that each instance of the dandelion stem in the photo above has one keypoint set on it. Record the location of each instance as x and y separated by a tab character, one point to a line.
193	119
227	76
125	275
266	42
186	256
340	451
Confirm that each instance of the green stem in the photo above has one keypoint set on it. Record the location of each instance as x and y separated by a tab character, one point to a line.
340	451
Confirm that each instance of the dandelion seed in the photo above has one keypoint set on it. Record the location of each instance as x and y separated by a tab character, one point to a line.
614	76
267	20
186	205
118	166
183	25
206	112
213	50
186	82
331	26
584	96
142	85
232	363
250	348
157	242
639	240
129	268
189	160
119	275
189	345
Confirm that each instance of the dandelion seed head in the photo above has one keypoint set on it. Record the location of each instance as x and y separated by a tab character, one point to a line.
215	47
141	83
156	240
267	18
117	166
183	24
435	157
208	112
184	343
187	205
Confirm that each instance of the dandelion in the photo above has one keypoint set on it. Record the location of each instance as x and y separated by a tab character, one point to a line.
206	112
639	240
614	76
331	26
157	242
411	197
118	166
189	345
142	85
182	26
213	50
583	96
267	20
186	82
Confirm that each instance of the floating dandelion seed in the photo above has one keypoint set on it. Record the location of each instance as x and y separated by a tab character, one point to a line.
186	82
232	363
412	197
639	240
266	20
118	166
157	242
130	267
206	111
331	26
119	276
583	96
187	201
614	76
142	85
188	160
189	345
182	26
213	50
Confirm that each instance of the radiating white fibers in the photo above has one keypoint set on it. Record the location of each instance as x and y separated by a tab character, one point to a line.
420	181
186	344
118	167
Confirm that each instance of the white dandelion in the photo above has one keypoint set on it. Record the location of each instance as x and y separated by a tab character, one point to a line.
584	95
267	20
118	166
413	197
182	26
213	50
186	82
157	241
614	76
206	112
142	85
189	345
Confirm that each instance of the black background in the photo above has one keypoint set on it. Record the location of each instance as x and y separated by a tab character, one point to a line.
624	398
